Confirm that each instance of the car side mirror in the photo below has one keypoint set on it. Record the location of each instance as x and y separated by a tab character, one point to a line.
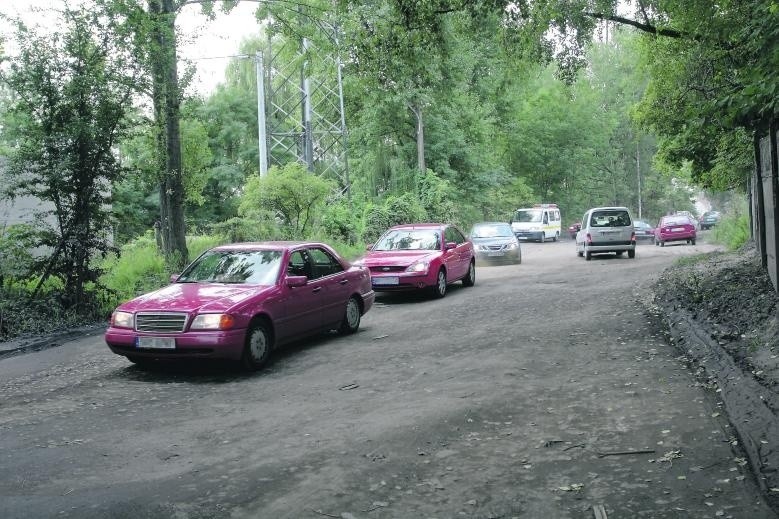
174	277
450	245
296	281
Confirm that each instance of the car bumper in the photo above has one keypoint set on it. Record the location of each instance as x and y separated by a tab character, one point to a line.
401	281
597	247
677	237
208	344
497	257
528	235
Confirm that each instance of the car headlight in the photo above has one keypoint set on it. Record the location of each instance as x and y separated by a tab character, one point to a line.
418	267
512	246
213	322
122	319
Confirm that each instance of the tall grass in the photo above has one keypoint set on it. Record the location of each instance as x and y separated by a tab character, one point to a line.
732	231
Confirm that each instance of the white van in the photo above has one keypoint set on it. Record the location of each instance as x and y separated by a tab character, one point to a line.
606	229
539	223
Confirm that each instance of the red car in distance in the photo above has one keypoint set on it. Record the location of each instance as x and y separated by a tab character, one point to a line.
426	256
675	227
240	301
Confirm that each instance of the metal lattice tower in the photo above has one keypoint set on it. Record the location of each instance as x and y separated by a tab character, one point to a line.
302	101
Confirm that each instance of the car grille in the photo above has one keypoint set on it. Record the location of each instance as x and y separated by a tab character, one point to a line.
493	247
388	268
162	322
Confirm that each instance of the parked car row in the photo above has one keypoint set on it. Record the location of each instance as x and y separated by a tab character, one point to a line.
239	302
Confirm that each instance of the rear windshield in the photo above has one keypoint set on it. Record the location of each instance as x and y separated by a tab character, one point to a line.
610	218
676	220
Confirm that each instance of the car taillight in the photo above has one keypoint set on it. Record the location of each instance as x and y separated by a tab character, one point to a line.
589	238
633	236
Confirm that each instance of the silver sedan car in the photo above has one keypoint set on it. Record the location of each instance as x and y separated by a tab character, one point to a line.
495	244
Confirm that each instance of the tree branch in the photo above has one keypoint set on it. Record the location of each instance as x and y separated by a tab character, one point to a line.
645	27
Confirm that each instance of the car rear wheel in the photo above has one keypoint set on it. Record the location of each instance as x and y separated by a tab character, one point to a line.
351	320
556	235
662	244
579	253
632	254
692	241
587	255
257	348
470	278
439	290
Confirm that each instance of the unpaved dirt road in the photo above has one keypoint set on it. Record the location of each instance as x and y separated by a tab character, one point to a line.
542	392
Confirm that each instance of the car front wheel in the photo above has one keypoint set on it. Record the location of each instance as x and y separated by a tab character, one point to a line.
439	290
257	348
351	320
470	278
632	253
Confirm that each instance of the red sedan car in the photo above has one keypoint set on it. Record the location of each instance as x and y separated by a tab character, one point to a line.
240	301
675	228
421	256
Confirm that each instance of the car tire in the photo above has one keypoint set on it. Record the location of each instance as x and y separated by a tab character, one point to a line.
587	255
662	244
470	278
579	253
439	289
257	348
351	321
556	235
632	254
519	257
692	242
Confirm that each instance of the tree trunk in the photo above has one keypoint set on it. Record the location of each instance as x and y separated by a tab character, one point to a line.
166	110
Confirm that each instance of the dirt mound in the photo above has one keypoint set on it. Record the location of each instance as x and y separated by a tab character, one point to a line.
721	310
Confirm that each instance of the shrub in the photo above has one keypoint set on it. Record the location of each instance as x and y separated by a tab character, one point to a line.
732	231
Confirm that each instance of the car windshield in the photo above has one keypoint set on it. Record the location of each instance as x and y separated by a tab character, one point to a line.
249	267
414	239
528	215
610	218
488	230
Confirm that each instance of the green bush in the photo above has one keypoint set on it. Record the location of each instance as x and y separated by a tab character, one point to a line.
732	231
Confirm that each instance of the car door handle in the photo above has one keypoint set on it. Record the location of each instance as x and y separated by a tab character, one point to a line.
317	289
343	282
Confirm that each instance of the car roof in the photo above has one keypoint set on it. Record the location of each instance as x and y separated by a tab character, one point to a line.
266	245
420	226
609	208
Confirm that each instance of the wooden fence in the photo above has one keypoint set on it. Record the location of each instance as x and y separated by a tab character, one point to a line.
764	191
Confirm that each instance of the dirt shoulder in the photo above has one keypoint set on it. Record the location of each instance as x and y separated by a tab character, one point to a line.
721	311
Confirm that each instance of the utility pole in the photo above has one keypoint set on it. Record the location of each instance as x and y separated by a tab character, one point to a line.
638	174
261	128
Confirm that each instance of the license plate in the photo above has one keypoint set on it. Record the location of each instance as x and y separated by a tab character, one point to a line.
156	343
495	254
386	280
677	229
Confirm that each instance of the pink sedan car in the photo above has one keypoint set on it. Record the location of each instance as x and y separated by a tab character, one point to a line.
421	256
240	301
675	228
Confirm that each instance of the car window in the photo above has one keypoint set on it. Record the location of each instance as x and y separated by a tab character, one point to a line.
456	235
528	215
415	239
298	264
322	263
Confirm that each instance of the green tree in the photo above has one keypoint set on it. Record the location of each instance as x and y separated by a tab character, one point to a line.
291	193
72	94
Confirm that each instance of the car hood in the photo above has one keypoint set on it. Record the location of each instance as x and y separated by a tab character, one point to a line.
400	258
495	240
190	297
